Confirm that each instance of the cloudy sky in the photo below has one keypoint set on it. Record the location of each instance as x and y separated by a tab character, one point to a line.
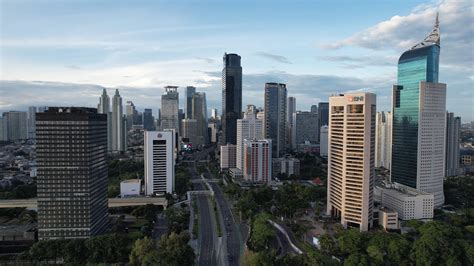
64	52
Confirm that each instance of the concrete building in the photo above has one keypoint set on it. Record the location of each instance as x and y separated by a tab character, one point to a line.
15	125
159	162
32	122
383	139
72	175
257	161
305	128
275	117
188	106
407	201
323	146
231	97
290	110
3	129
131	114
119	129
388	219
419	119
169	109
453	138
287	166
212	132
351	171
130	188
199	112
189	131
247	128
104	108
228	156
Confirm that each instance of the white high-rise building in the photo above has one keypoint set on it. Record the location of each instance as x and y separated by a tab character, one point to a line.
159	162
170	109
323	144
118	124
290	110
104	108
453	137
383	139
214	113
247	128
258	160
351	169
228	154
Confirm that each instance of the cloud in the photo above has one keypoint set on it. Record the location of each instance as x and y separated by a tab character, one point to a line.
274	57
361	61
399	33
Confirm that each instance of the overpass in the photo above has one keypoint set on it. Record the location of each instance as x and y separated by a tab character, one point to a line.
113	202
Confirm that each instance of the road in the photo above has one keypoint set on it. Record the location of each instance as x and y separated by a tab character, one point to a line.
285	246
206	234
113	202
232	231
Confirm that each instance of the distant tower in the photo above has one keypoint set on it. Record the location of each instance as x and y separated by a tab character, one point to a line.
32	122
453	137
275	117
170	109
419	119
104	108
72	186
148	120
188	107
199	113
383	139
15	125
231	97
118	127
351	169
314	108
305	128
290	110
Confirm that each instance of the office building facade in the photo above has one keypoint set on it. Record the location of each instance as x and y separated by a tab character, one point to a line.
104	108
119	129
305	129
453	138
170	109
419	119
275	117
159	162
32	122
148	120
71	153
231	97
15	125
290	110
188	106
228	156
351	159
323	141
199	113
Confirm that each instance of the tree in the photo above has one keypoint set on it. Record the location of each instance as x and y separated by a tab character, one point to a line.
144	252
108	248
357	259
75	252
259	258
327	244
262	232
174	250
351	241
376	254
398	248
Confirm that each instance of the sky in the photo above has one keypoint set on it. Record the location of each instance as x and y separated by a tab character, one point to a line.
65	52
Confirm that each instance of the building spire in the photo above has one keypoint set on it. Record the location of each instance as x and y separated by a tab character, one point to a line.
433	38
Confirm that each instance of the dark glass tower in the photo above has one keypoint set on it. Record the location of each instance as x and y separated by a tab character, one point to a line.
189	91
148	120
72	172
231	97
275	117
418	64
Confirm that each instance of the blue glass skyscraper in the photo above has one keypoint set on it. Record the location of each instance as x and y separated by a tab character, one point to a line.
418	70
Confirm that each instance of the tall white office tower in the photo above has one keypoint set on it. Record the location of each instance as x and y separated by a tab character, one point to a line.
170	109
323	141
247	128
32	122
104	108
275	117
453	137
118	126
214	113
351	168
258	160
199	113
290	110
159	162
383	139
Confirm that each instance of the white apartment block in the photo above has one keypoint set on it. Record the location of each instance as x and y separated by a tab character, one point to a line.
258	161
407	201
323	141
351	157
247	128
159	162
228	156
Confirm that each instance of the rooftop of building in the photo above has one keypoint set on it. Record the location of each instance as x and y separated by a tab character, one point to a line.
131	181
403	190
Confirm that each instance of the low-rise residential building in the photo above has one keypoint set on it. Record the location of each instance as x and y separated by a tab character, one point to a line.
286	165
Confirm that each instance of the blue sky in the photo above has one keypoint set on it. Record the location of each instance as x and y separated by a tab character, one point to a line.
62	52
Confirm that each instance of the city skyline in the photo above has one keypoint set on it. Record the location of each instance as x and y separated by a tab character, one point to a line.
330	60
